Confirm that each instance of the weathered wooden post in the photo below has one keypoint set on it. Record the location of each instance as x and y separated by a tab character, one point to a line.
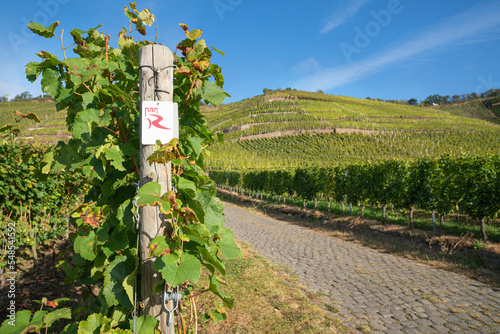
156	84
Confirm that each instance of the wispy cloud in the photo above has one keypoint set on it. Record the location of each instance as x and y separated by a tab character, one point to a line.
468	25
339	18
305	67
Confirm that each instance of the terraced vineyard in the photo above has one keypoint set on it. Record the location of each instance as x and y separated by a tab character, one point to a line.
333	148
293	128
476	109
50	130
493	103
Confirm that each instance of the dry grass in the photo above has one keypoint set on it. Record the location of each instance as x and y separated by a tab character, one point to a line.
267	301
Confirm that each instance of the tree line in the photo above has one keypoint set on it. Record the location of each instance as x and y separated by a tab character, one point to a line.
431	100
24	96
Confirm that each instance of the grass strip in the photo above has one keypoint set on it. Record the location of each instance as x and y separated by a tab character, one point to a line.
267	301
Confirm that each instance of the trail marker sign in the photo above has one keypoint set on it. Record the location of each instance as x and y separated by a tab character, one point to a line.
159	121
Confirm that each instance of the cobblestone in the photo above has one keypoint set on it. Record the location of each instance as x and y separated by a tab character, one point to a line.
368	287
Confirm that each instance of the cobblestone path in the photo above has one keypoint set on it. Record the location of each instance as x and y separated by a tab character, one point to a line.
371	290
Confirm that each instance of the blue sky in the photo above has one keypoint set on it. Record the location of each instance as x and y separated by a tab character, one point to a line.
389	49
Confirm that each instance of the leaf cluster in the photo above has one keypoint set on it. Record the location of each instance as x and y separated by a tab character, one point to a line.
99	89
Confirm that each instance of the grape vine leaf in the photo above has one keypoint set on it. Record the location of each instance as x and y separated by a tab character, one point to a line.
215	288
85	244
96	323
50	81
212	93
24	323
144	324
40	30
116	284
227	245
63	313
175	274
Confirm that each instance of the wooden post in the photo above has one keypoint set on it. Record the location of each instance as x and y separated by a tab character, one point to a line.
156	79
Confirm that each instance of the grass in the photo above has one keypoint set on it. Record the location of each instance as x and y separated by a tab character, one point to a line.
267	301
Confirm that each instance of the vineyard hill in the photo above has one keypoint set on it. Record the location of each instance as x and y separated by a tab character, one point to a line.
296	128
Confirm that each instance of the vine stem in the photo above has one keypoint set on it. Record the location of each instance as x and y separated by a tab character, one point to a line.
199	293
193	302
123	137
187	97
62	43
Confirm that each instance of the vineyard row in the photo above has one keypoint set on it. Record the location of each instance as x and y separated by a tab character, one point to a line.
439	185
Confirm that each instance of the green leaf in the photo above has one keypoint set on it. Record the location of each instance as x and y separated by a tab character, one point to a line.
194	34
215	288
40	30
50	81
209	255
117	241
188	270
75	66
114	289
228	246
87	98
212	93
114	155
150	194
147	17
213	219
219	51
95	324
184	185
64	313
32	71
160	246
196	144
129	284
23	323
85	246
197	233
99	266
150	188
144	324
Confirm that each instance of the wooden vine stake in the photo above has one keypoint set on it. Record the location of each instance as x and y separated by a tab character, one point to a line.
156	84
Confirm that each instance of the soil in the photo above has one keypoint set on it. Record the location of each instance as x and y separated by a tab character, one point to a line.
38	280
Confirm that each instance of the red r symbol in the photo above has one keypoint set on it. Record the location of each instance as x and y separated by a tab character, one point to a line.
156	122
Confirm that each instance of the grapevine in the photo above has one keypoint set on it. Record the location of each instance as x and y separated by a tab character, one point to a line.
98	88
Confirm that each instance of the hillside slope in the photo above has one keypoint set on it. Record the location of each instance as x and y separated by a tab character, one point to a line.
294	128
474	109
50	130
287	111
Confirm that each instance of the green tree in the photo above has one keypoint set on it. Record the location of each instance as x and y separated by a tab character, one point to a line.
413	102
23	96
